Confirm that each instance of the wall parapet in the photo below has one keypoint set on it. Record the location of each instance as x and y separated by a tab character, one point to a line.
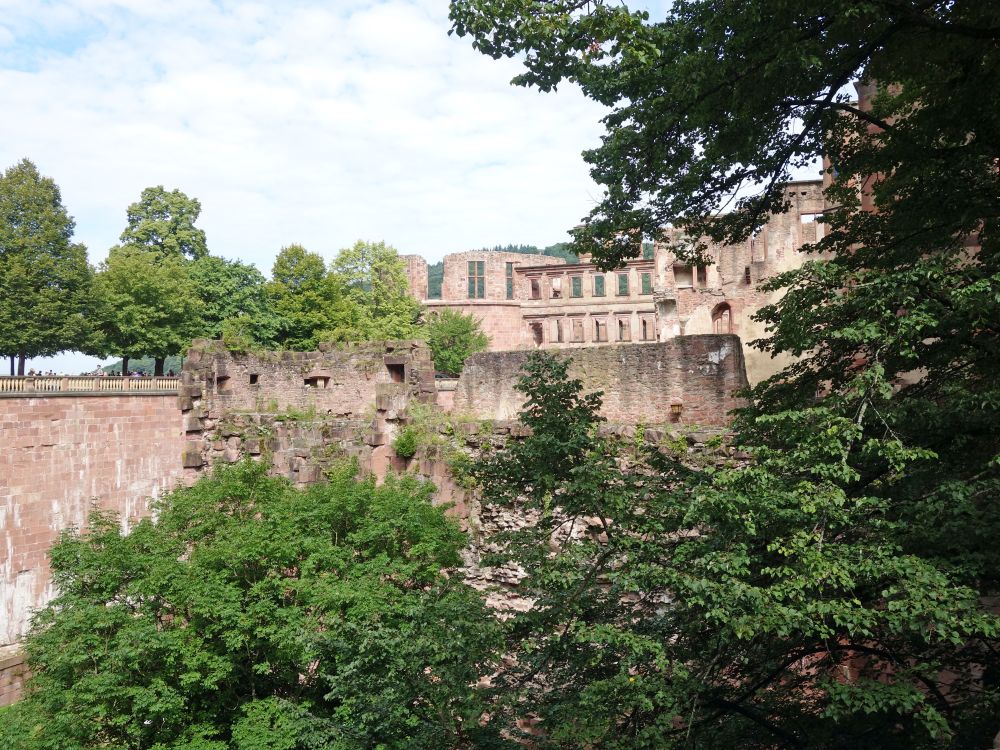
54	385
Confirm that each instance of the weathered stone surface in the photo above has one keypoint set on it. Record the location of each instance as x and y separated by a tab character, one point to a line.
640	382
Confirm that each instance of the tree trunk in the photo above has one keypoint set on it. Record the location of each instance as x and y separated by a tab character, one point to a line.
124	365
20	363
158	365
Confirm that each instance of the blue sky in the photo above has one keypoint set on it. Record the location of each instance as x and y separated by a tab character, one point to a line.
304	121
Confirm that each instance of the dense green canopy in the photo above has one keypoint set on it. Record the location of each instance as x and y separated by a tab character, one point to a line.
250	615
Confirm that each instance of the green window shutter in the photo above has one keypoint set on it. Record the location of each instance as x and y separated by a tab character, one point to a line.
647	283
577	286
599	286
623	284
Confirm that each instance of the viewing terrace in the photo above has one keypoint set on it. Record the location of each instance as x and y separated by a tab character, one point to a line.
56	385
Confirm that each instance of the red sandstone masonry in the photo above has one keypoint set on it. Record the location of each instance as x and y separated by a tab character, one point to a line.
640	381
60	454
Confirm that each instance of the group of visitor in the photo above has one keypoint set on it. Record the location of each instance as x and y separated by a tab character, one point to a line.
97	372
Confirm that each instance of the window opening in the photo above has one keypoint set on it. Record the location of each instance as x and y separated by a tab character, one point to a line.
600	330
537	333
536	289
646	280
645	329
624	329
623	285
559	331
222	385
576	286
577	330
702	276
253	378
556	285
683	277
477	279
599	285
397	373
510	281
316	381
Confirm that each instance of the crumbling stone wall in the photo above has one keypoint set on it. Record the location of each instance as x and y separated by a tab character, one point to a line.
296	407
690	380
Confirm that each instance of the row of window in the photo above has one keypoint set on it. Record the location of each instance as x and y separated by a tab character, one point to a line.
684	276
572	330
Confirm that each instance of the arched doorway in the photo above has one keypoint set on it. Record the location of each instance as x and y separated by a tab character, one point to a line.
722	319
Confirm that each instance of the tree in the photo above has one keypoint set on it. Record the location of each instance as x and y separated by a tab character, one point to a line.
452	337
250	614
44	277
311	304
163	222
234	295
147	304
374	278
848	571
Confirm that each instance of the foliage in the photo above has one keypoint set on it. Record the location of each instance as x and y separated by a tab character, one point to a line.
721	607
145	304
163	222
834	594
252	615
435	277
146	365
374	279
559	250
453	337
311	305
44	277
406	442
234	301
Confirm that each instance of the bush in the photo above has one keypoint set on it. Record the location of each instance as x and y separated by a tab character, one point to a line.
406	442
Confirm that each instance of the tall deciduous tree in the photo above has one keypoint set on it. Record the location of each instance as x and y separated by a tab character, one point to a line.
164	221
374	277
147	304
311	304
844	583
44	276
234	292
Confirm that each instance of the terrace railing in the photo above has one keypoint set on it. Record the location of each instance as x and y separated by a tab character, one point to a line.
42	385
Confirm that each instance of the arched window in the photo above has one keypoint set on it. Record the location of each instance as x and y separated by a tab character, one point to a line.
722	319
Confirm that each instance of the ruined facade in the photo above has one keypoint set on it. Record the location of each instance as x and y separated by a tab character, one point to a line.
530	301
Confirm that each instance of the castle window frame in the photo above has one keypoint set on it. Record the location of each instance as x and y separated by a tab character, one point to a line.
535	286
510	281
646	282
576	286
576	330
477	279
624	329
600	330
599	286
622	285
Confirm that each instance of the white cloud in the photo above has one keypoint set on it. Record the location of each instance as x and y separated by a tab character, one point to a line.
309	122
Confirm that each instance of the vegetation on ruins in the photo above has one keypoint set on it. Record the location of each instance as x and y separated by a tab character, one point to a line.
841	590
44	276
252	615
453	336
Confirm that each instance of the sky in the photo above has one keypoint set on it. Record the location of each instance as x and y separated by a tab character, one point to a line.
299	121
296	121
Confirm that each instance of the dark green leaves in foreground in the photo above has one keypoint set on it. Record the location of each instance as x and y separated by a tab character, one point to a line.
256	616
782	603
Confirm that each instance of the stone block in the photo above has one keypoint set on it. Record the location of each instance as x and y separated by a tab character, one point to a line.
192	458
192	423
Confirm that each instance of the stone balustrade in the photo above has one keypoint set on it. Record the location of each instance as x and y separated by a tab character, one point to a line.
49	385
